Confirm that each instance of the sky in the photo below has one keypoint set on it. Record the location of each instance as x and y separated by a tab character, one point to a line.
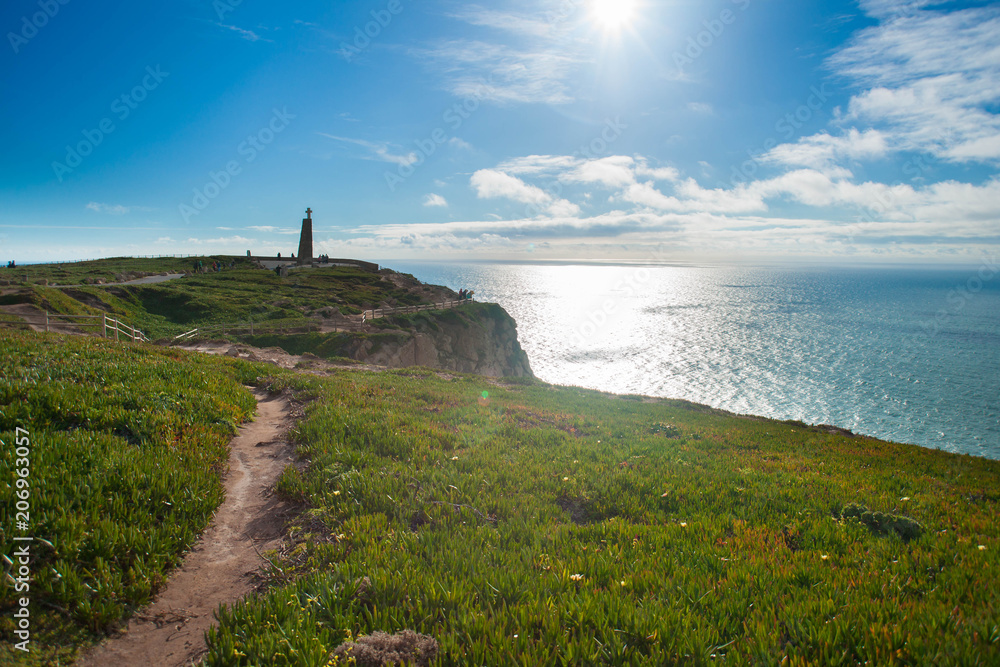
670	131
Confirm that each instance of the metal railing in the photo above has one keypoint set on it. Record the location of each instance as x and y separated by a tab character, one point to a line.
376	313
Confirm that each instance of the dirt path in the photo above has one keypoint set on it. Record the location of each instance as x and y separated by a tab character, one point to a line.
220	567
35	319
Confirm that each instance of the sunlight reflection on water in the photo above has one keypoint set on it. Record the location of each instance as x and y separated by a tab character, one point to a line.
820	346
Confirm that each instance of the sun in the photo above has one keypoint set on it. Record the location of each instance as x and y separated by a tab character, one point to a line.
612	15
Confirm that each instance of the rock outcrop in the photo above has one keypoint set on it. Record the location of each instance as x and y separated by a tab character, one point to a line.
478	338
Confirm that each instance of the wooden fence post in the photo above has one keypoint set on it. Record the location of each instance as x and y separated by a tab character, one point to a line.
104	325
46	321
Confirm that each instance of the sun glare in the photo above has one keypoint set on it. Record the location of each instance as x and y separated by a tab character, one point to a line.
612	14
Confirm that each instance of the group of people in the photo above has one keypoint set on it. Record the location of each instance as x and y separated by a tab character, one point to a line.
200	266
11	265
465	294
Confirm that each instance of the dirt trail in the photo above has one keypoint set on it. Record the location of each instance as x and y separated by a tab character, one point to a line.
221	566
35	318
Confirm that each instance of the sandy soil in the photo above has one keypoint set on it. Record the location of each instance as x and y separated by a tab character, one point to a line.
35	317
221	567
275	355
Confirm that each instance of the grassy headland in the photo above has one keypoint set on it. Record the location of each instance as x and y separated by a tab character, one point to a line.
126	448
513	521
531	524
232	296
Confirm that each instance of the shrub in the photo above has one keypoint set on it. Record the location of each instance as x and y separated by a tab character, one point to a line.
380	648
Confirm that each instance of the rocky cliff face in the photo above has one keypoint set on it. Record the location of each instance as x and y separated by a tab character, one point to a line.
478	338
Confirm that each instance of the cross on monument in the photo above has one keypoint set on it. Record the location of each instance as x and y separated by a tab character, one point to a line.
309	213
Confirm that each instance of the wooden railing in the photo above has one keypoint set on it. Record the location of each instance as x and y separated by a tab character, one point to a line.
109	326
406	310
249	327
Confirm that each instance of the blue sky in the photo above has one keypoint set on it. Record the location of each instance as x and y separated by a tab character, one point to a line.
668	131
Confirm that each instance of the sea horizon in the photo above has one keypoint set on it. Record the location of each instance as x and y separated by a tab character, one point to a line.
920	369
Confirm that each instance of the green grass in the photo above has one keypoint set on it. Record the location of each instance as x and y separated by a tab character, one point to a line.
108	270
513	521
233	296
546	525
127	446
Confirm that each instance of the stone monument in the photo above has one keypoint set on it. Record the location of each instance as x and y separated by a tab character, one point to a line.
305	255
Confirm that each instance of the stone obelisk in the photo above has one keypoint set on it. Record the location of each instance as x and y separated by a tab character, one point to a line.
305	255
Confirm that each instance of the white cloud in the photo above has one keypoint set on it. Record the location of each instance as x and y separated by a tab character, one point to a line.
491	184
538	164
506	21
504	74
113	209
656	173
931	78
248	35
382	151
435	200
823	151
613	172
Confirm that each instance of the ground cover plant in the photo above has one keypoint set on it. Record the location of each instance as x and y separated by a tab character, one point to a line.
520	523
236	295
127	446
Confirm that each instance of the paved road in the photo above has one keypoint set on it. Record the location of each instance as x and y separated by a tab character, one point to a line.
148	280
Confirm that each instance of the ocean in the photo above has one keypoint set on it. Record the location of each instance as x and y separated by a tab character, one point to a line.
901	354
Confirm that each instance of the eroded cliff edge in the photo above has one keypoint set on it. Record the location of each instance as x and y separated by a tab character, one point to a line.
478	338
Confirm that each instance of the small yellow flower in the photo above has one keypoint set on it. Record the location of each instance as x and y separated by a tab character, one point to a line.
982	547
824	557
622	582
905	498
336	493
684	524
576	577
565	479
454	458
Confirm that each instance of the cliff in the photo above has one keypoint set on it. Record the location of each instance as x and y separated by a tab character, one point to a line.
479	338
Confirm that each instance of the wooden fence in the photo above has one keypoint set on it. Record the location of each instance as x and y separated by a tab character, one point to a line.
109	326
406	310
250	328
